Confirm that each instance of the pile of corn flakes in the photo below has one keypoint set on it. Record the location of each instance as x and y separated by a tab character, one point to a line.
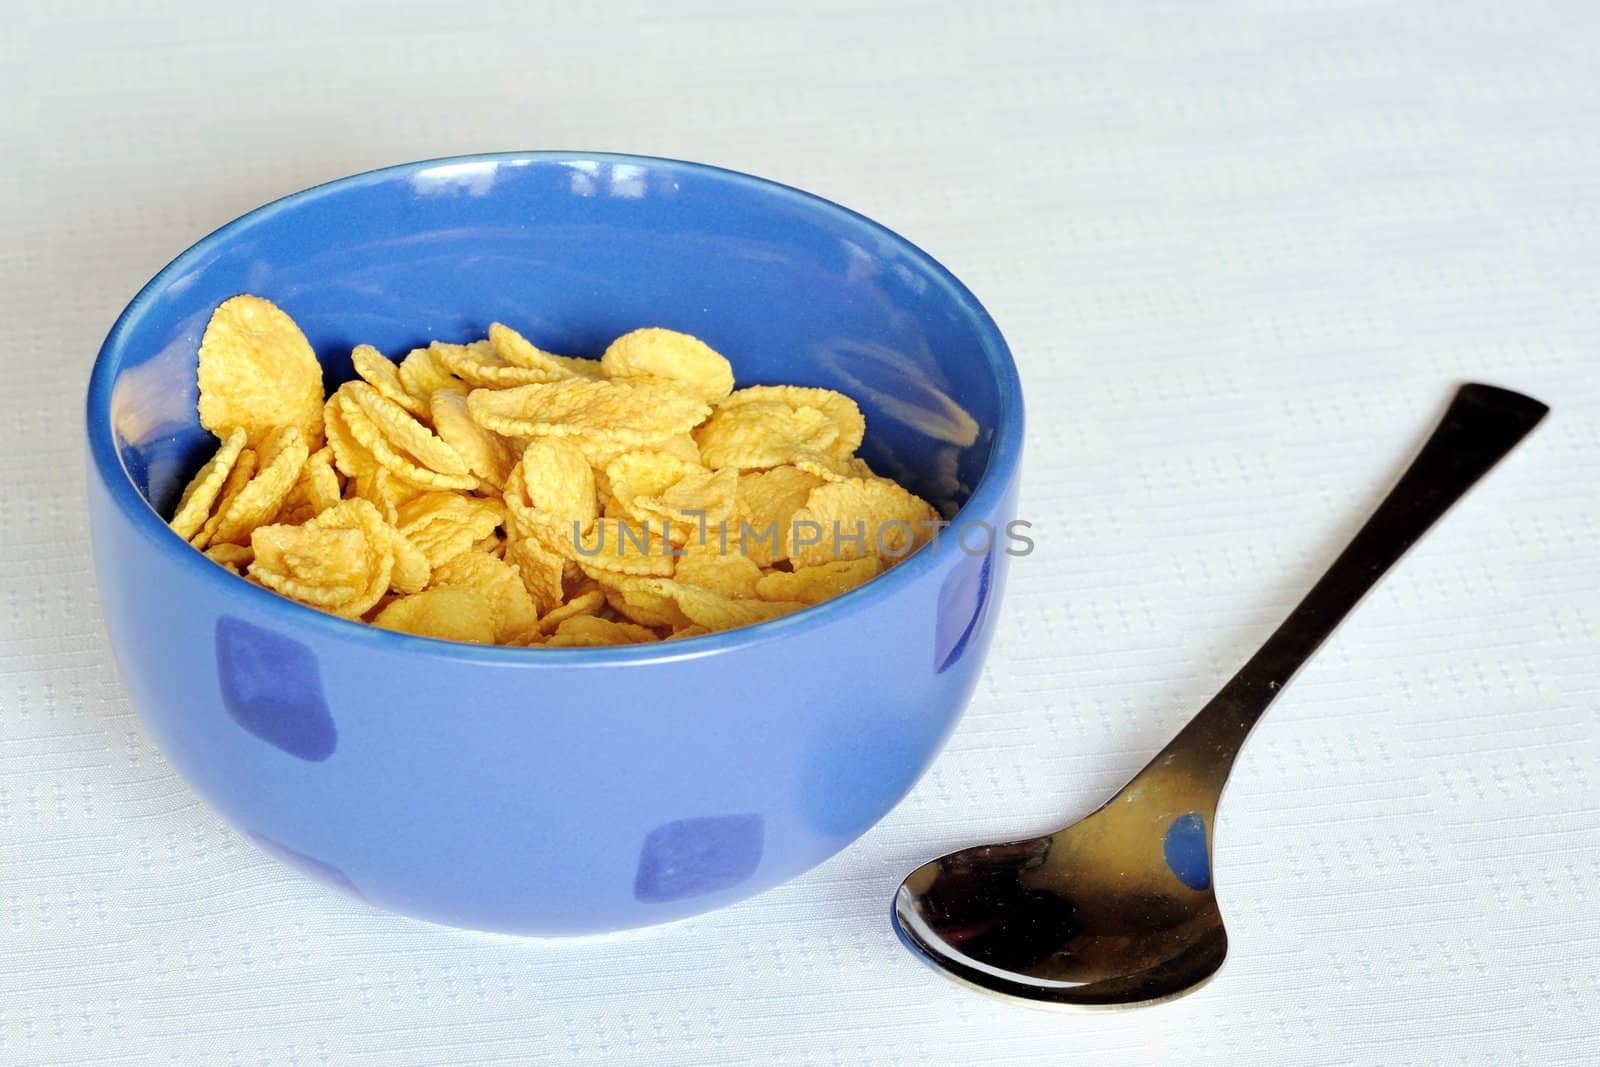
497	493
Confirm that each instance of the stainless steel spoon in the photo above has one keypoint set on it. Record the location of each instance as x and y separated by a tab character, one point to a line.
1117	910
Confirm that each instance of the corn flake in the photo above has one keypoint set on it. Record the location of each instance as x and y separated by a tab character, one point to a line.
385	490
422	374
832	468
400	431
616	546
585	603
598	412
487	454
350	457
860	516
587	631
701	499
518	351
444	525
257	373
552	487
383	376
729	573
640	473
369	436
332	558
315	490
763	433
713	610
813	585
843	412
657	353
694	629
194	507
283	454
233	557
635	599
449	613
767	502
510	605
369	558
244	468
412	571
480	366
540	564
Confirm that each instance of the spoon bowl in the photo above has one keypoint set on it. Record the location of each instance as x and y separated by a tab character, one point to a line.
1116	908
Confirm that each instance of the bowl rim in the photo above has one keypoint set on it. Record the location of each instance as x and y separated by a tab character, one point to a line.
1004	456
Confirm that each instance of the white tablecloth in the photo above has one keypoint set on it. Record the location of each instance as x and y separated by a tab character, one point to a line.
1243	251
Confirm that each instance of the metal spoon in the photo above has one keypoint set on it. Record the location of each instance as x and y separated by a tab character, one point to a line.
1117	910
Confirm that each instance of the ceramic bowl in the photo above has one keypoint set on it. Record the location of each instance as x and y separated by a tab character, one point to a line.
560	791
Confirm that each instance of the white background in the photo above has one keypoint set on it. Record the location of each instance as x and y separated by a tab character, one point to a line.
1242	251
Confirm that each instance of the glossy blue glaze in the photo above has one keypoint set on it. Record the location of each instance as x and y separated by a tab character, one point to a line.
559	791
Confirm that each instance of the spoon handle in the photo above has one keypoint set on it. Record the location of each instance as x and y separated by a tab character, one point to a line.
1482	424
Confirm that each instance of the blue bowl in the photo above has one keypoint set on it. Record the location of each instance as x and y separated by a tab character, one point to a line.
561	791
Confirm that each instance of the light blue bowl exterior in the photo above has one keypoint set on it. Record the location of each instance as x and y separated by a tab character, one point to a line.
560	791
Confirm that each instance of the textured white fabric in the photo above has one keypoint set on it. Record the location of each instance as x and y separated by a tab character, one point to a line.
1242	250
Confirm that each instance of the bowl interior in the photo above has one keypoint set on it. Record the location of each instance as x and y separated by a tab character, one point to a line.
573	250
